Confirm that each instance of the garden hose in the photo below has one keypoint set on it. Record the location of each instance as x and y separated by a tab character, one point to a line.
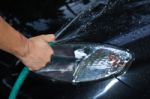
23	75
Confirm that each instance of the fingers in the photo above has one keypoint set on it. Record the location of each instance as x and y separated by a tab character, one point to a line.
41	62
48	38
39	52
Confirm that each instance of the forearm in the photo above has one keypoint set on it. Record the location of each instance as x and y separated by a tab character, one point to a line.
11	40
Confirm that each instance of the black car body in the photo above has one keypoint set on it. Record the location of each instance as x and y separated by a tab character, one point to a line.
123	23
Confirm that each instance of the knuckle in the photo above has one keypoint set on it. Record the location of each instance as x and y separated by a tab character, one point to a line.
52	36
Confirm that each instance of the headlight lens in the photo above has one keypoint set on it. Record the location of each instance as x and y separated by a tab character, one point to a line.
86	62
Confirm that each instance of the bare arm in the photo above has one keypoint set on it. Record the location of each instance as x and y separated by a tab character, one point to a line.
33	52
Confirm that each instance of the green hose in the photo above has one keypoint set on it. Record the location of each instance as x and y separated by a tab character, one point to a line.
24	73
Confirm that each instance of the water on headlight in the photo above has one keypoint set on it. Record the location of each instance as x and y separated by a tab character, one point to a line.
85	62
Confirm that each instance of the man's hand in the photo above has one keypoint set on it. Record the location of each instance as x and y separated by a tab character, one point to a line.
38	52
35	53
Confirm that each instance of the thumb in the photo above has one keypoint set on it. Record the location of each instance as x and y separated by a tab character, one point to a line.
49	37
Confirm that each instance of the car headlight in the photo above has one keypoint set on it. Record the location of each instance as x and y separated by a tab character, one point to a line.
86	62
